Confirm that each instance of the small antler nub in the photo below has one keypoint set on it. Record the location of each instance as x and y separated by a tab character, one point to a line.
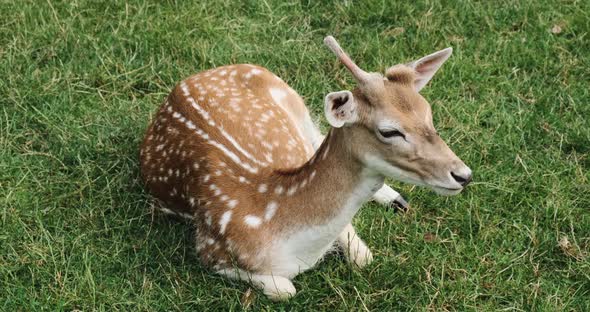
356	71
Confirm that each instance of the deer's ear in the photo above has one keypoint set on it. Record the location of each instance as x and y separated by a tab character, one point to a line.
427	66
340	108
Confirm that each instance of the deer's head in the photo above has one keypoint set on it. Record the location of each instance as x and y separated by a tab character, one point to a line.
389	124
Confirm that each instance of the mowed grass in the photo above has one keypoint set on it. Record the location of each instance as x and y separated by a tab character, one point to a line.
80	80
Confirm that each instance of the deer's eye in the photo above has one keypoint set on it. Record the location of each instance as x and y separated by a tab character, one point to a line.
390	133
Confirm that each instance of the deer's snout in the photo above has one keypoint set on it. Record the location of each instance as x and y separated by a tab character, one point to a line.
462	175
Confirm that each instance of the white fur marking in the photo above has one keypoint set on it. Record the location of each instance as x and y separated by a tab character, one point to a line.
232	203
227	152
252	221
271	209
325	154
279	190
167	211
292	190
205	115
278	95
225	218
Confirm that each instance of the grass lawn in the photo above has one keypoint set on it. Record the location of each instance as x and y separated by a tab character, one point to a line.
80	80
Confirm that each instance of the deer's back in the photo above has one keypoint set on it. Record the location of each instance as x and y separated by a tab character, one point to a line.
217	131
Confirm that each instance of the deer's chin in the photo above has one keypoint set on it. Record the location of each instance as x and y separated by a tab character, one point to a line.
446	191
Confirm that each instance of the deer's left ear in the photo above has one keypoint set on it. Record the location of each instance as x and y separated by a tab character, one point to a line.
427	66
340	108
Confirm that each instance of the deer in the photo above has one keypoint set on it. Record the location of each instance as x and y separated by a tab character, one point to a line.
234	150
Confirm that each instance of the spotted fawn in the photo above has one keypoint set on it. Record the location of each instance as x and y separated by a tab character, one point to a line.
234	150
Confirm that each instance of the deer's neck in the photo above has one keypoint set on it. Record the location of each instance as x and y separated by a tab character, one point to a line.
329	189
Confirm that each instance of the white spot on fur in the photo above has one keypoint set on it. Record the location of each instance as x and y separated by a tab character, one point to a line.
279	190
262	188
292	190
167	211
232	203
252	221
225	218
303	184
271	209
278	95
267	145
325	154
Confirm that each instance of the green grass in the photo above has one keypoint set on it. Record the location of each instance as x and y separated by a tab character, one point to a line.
80	80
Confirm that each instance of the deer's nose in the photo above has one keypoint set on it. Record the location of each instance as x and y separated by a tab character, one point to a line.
462	178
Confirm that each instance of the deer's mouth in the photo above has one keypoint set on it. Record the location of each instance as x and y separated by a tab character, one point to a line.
446	191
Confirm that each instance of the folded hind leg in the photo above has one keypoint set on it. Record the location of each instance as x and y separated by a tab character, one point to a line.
276	288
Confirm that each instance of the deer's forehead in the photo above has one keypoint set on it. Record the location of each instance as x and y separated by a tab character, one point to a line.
401	74
403	103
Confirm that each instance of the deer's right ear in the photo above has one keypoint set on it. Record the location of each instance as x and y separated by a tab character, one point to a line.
427	66
340	108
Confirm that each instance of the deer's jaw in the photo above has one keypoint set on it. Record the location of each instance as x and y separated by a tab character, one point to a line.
440	186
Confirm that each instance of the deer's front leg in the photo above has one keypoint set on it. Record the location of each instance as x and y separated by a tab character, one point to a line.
355	250
390	198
